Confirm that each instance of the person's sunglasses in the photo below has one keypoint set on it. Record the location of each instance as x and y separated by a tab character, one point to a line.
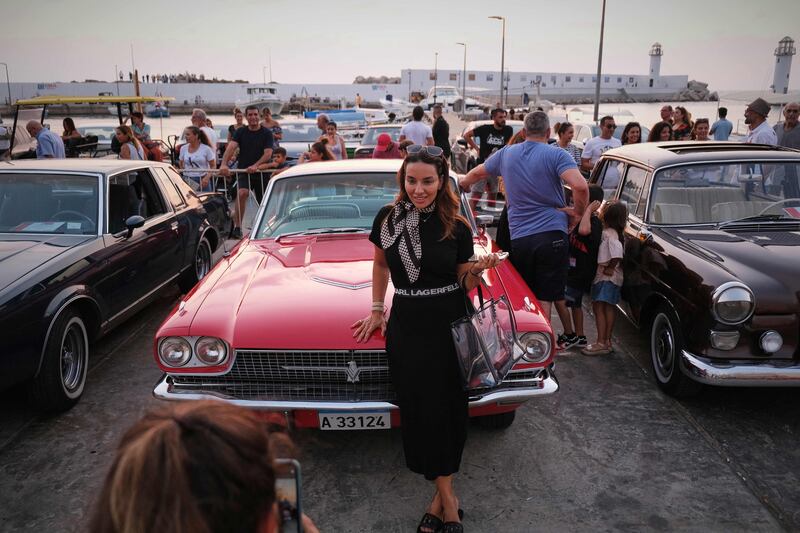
433	151
611	126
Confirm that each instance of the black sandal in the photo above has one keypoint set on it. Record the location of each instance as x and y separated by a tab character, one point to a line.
453	527
432	522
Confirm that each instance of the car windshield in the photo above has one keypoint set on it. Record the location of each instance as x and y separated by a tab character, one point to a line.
320	203
722	192
300	133
371	137
41	203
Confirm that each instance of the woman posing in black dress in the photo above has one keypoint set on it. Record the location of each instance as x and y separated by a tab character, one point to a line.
426	246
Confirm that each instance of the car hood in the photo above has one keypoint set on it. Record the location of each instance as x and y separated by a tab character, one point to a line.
21	254
764	259
301	293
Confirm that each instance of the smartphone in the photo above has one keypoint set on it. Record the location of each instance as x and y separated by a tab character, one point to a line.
287	494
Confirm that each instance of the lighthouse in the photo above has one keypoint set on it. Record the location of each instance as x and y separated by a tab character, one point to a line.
655	60
783	65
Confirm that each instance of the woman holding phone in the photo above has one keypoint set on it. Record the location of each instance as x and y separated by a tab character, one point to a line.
425	246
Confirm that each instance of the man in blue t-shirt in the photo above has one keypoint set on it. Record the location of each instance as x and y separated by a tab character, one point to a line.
538	217
722	128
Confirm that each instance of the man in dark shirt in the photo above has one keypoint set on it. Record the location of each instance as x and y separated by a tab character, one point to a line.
441	131
492	137
255	144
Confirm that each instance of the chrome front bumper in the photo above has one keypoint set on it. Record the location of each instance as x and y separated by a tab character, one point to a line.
741	374
545	384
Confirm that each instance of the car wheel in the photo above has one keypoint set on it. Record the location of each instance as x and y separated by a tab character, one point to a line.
498	421
666	344
200	268
62	376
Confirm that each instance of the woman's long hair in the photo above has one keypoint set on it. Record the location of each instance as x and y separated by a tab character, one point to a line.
200	135
615	216
195	467
655	133
128	132
321	147
69	125
687	117
447	203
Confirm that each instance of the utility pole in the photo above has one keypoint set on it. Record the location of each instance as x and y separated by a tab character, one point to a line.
8	84
435	75
464	82
116	78
599	64
503	58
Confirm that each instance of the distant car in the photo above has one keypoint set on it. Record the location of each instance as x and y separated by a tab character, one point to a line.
447	95
269	327
711	268
84	244
298	136
370	140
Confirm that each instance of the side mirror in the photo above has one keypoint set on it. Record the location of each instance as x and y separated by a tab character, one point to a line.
462	142
132	223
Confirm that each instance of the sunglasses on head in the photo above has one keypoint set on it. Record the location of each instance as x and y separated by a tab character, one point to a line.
433	151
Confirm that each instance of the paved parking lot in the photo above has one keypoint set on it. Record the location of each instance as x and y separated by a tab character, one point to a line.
609	452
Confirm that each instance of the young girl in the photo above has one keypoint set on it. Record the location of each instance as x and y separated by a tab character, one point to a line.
607	283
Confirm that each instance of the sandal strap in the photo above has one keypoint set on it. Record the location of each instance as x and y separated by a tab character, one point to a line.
453	527
431	522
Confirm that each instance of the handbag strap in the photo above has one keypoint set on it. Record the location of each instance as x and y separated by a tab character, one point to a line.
467	301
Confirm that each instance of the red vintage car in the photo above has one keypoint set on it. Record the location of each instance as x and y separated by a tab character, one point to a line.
269	327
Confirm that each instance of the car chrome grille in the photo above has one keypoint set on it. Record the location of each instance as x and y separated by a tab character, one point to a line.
346	375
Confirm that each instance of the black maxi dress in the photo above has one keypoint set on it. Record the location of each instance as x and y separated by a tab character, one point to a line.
422	357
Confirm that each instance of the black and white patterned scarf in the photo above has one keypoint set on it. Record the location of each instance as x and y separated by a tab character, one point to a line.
403	223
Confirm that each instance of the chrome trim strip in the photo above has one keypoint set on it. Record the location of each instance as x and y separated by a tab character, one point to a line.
743	374
340	284
548	384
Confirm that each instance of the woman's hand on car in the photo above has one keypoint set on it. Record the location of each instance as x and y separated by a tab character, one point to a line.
366	326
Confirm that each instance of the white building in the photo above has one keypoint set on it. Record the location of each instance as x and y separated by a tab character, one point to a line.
551	85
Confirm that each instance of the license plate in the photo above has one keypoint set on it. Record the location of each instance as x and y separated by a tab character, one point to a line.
333	421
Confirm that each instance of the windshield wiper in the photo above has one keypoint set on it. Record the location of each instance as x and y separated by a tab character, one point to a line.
753	218
320	231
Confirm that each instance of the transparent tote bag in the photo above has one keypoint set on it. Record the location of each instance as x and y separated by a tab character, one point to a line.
486	343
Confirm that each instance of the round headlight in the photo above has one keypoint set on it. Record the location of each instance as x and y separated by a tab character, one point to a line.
771	341
535	346
175	351
210	350
733	303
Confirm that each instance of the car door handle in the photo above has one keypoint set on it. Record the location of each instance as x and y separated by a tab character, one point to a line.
174	227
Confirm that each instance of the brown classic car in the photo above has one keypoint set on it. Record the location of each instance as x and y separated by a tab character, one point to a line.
712	259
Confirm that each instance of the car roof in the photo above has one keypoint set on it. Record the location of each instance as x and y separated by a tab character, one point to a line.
662	154
338	167
81	164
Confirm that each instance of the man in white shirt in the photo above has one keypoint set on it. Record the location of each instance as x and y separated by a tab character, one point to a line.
597	146
416	130
199	120
760	131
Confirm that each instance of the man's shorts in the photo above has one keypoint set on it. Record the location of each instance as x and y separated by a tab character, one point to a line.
573	297
543	261
256	182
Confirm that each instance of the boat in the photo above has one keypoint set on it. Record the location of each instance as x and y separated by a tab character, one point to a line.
262	96
447	95
157	110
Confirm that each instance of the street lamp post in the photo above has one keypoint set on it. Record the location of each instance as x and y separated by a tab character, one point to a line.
435	75
599	64
8	83
264	74
502	58
464	82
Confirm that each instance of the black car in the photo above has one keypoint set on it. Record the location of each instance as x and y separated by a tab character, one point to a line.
84	244
711	267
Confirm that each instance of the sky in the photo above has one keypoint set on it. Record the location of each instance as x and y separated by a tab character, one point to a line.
726	43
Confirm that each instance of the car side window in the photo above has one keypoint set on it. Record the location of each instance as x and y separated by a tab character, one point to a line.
173	195
608	177
132	193
632	189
